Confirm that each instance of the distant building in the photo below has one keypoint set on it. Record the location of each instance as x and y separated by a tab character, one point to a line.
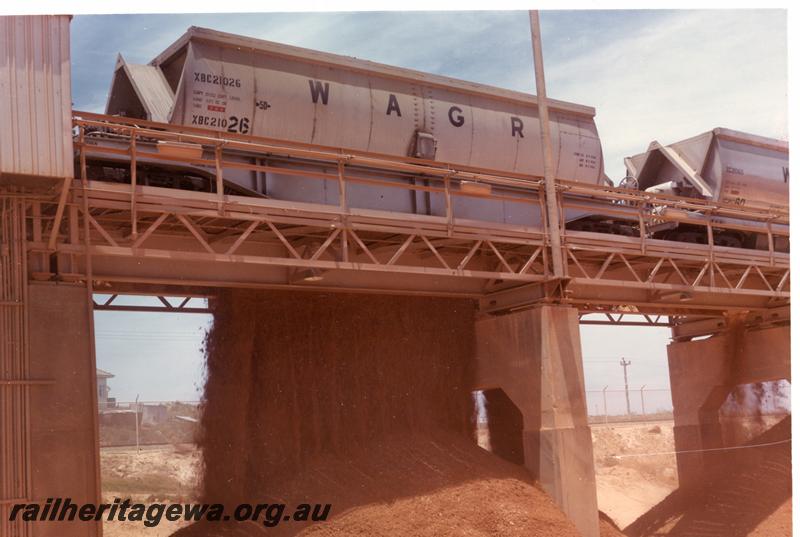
103	400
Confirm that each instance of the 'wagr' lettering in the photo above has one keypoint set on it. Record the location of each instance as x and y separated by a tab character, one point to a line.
516	127
394	106
455	116
318	90
321	91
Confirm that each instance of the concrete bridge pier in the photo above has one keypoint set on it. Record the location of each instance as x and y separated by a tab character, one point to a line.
702	375
534	357
63	448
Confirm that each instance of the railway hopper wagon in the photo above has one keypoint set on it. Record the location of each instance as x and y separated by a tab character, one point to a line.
272	91
721	165
248	86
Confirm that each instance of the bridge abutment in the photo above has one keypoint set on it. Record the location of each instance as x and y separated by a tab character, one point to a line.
534	356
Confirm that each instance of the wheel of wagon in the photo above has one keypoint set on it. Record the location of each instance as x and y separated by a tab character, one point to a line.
694	237
728	239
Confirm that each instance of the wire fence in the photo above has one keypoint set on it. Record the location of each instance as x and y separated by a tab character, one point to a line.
640	403
151	423
147	423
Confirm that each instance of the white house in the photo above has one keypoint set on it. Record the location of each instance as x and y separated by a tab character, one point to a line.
103	400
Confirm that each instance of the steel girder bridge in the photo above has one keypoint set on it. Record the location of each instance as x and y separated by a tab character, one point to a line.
132	238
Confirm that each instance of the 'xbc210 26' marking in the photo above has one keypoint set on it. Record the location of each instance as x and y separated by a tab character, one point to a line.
231	124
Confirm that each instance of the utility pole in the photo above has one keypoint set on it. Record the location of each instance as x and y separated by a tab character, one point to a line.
136	418
641	393
553	220
625	365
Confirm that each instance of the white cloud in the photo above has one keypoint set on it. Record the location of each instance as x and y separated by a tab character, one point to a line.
685	73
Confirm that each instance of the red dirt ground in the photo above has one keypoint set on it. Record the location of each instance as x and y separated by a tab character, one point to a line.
436	485
752	497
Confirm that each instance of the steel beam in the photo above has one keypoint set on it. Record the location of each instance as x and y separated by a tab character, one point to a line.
687	330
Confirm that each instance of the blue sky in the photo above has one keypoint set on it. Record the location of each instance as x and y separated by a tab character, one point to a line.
655	74
157	356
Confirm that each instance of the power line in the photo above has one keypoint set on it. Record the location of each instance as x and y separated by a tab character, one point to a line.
622	389
615	359
767	444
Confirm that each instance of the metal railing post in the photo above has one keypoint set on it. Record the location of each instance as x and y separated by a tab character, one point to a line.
220	187
134	218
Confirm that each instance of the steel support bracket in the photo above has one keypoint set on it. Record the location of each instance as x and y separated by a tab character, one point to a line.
551	291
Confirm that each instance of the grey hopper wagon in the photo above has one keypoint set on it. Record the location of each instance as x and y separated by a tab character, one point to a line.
249	86
721	165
